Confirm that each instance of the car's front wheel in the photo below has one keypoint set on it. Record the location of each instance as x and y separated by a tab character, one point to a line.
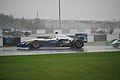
115	45
35	44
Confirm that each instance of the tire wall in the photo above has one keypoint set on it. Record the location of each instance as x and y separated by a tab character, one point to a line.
11	41
100	37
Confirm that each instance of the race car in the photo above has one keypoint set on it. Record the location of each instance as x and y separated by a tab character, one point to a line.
56	40
115	43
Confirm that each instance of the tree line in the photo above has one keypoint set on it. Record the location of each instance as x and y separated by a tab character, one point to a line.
9	21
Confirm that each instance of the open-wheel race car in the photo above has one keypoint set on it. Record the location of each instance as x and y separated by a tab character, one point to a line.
56	40
115	43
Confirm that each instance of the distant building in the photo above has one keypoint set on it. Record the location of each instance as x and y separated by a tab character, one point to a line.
76	26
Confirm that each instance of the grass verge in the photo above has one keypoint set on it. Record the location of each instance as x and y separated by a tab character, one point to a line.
83	66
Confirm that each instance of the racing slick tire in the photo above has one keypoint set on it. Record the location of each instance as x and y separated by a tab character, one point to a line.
35	44
115	45
77	44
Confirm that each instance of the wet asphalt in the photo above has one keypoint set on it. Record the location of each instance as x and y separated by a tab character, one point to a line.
10	51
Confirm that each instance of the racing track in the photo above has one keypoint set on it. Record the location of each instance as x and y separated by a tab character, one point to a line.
8	51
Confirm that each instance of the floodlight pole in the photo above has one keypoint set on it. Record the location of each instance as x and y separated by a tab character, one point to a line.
59	15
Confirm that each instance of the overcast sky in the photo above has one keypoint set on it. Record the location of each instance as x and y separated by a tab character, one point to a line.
70	9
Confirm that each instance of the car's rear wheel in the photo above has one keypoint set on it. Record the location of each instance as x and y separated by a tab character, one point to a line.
77	44
35	44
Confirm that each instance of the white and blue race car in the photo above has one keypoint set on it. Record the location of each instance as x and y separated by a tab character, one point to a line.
115	43
56	40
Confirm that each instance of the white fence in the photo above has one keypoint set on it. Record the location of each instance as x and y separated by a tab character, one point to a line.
73	31
90	38
1	41
116	31
41	31
58	30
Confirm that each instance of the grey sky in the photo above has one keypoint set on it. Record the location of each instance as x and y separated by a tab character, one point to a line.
71	9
